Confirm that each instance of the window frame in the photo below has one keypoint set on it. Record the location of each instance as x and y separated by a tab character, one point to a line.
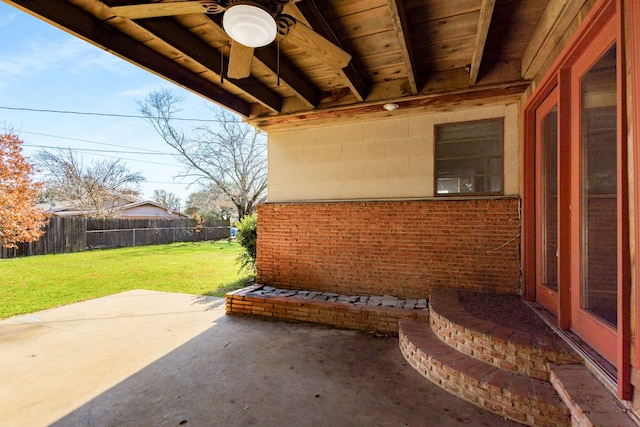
435	159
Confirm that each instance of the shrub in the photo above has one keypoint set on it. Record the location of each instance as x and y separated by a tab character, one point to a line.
248	237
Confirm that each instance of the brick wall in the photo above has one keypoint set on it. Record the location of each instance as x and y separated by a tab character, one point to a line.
392	247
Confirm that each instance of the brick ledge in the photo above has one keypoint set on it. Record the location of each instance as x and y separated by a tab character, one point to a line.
337	314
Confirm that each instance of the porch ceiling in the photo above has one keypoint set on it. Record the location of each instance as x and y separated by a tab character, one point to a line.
412	52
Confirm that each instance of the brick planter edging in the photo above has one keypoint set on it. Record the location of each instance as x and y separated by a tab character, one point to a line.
517	351
523	399
338	314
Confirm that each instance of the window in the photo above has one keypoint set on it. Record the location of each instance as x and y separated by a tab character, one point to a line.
469	158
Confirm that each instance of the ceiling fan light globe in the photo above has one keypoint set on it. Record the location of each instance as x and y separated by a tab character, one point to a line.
249	25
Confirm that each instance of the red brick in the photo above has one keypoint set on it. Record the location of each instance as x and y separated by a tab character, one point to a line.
311	246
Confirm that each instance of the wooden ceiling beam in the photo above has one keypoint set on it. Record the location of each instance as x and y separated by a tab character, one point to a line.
484	22
289	74
553	23
155	10
189	44
84	25
440	102
353	79
400	24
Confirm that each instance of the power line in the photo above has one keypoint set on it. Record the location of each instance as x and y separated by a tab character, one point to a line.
167	182
137	160
87	113
91	142
126	158
142	150
93	150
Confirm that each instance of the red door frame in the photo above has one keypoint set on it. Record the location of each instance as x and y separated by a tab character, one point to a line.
560	75
544	295
632	18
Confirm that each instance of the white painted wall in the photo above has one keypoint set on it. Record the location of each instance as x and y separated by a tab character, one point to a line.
380	159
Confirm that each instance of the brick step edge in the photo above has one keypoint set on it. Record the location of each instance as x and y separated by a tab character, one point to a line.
337	314
525	353
590	403
520	398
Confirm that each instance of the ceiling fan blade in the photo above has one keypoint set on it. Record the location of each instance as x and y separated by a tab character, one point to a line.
292	10
316	45
154	10
239	61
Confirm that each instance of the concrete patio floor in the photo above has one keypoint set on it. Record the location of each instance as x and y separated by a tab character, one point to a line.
144	358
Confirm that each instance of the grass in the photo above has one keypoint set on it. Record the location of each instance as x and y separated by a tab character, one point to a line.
35	283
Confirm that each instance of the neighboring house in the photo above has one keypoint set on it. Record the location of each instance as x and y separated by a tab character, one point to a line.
148	210
62	208
463	144
135	210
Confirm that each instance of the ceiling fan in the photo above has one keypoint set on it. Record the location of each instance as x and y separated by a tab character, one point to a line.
250	24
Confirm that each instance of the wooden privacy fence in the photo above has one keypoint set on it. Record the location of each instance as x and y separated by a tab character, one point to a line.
72	234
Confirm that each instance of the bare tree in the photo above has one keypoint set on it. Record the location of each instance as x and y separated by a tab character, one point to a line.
99	189
167	199
211	203
230	157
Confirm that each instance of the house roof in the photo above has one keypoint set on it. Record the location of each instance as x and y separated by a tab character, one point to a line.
415	53
169	210
70	208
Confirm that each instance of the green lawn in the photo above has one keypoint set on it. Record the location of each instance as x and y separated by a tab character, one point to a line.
35	283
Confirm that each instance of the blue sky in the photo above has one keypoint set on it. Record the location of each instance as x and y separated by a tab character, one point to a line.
44	68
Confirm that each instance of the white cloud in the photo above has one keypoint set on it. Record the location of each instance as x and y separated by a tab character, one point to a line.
42	55
7	19
94	58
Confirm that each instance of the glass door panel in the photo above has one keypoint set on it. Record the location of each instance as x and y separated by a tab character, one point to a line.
549	189
594	207
599	189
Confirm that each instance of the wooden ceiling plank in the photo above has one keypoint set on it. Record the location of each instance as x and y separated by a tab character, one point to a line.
460	47
400	24
375	44
446	28
486	12
84	25
367	22
554	21
350	7
424	11
377	61
186	42
353	79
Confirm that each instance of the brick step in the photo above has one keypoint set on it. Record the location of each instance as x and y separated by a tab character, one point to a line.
521	398
507	348
589	402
